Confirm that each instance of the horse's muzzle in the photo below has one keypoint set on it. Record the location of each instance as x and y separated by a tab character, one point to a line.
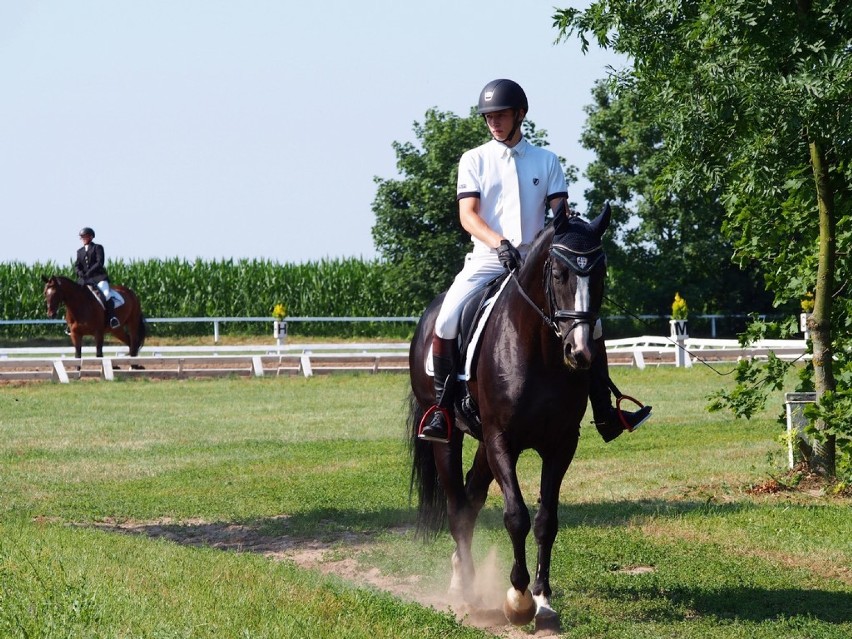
577	347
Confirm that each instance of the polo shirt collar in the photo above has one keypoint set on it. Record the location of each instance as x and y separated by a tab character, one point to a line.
519	149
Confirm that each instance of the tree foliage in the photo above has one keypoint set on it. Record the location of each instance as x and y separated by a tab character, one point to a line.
417	230
752	100
676	243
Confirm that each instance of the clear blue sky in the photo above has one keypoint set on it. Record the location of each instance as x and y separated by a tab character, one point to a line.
250	128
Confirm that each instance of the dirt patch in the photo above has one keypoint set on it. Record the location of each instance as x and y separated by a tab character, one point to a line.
324	555
801	480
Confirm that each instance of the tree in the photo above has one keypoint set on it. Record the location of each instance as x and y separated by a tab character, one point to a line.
752	99
677	237
417	229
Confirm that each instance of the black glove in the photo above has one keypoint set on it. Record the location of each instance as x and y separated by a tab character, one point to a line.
508	255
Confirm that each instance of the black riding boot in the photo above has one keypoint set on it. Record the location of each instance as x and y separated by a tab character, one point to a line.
607	420
112	320
444	358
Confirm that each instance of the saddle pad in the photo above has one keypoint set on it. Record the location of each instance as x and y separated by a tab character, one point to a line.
470	353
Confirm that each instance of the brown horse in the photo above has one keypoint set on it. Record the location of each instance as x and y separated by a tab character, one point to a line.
85	315
531	386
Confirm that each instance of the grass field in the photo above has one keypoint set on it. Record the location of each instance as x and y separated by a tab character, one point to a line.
280	508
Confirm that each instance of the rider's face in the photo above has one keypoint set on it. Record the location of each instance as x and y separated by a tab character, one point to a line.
500	123
86	238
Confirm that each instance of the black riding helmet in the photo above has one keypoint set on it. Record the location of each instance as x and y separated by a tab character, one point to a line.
87	231
502	94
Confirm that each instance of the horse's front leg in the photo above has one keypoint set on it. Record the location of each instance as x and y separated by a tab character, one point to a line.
77	342
519	606
553	467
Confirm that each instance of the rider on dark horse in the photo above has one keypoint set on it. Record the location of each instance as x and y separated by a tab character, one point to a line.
504	188
91	271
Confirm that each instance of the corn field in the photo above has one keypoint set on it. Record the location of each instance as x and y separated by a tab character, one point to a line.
228	288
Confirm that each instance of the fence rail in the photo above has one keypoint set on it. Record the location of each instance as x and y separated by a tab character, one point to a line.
218	321
172	362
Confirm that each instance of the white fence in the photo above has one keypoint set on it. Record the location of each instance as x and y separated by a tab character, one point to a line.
172	362
649	349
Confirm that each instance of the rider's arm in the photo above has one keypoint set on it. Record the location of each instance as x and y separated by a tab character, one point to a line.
475	225
554	201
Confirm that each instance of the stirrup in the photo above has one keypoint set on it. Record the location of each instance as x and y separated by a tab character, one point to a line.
432	410
620	412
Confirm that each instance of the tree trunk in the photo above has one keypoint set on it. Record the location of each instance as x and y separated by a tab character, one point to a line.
823	459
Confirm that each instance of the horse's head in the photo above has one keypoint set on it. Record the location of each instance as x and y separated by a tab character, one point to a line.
574	281
52	294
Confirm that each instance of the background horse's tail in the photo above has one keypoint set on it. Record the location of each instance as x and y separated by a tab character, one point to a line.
431	500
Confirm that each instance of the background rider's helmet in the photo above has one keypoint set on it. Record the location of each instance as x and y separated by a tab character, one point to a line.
87	231
502	94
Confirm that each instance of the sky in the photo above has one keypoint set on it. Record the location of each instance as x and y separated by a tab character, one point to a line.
251	129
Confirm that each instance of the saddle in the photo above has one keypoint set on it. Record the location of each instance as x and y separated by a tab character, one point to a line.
474	317
113	295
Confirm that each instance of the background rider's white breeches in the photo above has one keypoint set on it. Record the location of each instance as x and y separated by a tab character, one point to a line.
104	287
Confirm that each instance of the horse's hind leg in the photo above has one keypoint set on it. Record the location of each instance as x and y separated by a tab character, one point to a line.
461	517
479	478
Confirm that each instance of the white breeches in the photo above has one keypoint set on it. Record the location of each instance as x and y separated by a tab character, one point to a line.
478	270
104	287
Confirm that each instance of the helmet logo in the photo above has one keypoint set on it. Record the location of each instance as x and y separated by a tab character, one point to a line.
489	95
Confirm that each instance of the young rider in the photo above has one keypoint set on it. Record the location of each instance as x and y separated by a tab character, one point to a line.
91	270
504	188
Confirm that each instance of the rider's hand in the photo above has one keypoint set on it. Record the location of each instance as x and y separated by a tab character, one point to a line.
508	255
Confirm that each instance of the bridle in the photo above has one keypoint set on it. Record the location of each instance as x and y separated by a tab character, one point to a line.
581	263
55	299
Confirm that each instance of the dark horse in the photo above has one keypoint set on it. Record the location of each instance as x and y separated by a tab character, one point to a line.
531	385
86	316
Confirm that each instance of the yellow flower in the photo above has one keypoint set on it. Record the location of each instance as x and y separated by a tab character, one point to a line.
279	312
679	308
808	302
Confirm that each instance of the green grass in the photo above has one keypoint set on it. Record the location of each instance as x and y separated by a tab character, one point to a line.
660	535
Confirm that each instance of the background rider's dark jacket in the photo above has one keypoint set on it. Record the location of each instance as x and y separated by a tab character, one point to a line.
90	264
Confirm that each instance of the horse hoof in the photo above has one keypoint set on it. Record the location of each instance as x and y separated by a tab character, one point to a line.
518	607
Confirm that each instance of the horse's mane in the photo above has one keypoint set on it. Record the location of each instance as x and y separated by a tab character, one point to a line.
63	280
537	253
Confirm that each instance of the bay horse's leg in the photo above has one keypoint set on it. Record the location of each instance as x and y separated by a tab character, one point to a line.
461	518
519	606
554	464
99	343
77	342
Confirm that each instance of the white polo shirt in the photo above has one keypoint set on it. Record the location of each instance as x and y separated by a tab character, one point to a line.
540	178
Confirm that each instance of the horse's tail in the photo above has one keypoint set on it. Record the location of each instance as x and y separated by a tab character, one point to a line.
431	499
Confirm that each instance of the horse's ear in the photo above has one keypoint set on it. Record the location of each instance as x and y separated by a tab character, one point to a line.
601	223
45	279
560	218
